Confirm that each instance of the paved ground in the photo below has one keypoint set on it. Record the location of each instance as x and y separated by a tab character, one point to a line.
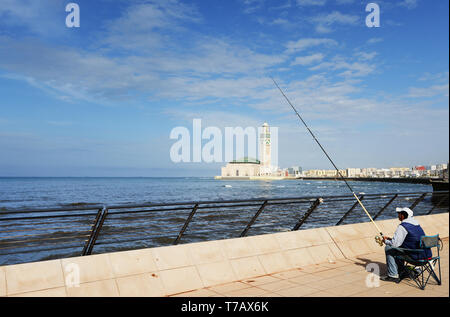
344	278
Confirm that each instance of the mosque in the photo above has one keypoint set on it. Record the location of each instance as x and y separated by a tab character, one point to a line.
252	168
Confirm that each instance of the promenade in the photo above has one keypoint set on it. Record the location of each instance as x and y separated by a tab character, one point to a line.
321	262
340	278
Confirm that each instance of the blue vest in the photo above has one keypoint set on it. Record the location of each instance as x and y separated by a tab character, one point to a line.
412	241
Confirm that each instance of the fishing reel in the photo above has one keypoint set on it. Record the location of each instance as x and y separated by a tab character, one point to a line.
379	240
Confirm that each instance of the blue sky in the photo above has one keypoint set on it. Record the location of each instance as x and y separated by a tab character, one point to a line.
101	100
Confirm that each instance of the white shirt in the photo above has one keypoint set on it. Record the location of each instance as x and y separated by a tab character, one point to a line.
400	233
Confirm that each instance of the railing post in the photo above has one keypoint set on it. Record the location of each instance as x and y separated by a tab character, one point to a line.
438	204
350	210
252	221
97	231
188	220
93	229
418	200
385	206
314	205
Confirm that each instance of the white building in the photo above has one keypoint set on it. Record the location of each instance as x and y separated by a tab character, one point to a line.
354	172
245	167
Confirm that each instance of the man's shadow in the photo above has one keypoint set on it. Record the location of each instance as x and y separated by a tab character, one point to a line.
382	270
382	267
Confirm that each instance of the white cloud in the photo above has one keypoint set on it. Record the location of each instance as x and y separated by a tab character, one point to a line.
217	56
435	77
245	88
320	28
349	67
325	22
152	62
37	17
409	4
287	5
216	69
438	86
374	40
302	44
281	22
208	70
311	2
429	92
365	56
145	26
308	60
319	98
252	5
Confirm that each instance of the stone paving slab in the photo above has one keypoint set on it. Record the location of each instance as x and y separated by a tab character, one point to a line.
341	278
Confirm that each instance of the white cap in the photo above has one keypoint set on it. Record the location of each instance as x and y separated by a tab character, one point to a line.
405	209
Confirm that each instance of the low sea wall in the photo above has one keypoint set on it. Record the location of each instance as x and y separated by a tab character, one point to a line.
253	178
410	180
170	270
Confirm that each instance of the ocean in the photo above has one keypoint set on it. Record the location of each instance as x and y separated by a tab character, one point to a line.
25	239
41	192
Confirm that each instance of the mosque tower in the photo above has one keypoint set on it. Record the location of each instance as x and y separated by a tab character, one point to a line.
265	150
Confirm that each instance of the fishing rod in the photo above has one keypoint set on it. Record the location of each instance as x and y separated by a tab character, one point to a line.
378	239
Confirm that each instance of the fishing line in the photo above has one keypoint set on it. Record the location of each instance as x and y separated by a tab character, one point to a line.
378	239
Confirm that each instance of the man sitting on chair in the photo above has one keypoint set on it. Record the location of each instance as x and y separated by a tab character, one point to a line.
407	236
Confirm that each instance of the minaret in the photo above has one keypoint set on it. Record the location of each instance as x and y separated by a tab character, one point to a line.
265	149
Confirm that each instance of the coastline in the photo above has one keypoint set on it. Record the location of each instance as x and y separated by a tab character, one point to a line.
419	180
252	178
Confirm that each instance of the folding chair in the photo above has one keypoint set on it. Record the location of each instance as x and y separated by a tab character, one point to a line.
419	267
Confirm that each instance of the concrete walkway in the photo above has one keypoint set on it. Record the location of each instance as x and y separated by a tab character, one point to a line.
326	261
341	278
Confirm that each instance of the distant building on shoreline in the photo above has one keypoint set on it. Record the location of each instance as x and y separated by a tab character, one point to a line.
262	168
242	168
433	171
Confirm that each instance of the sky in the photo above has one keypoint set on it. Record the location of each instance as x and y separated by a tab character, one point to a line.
101	99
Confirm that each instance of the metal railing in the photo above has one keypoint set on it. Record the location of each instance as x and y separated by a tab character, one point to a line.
41	234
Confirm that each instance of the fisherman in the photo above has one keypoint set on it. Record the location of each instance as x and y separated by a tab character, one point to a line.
407	236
